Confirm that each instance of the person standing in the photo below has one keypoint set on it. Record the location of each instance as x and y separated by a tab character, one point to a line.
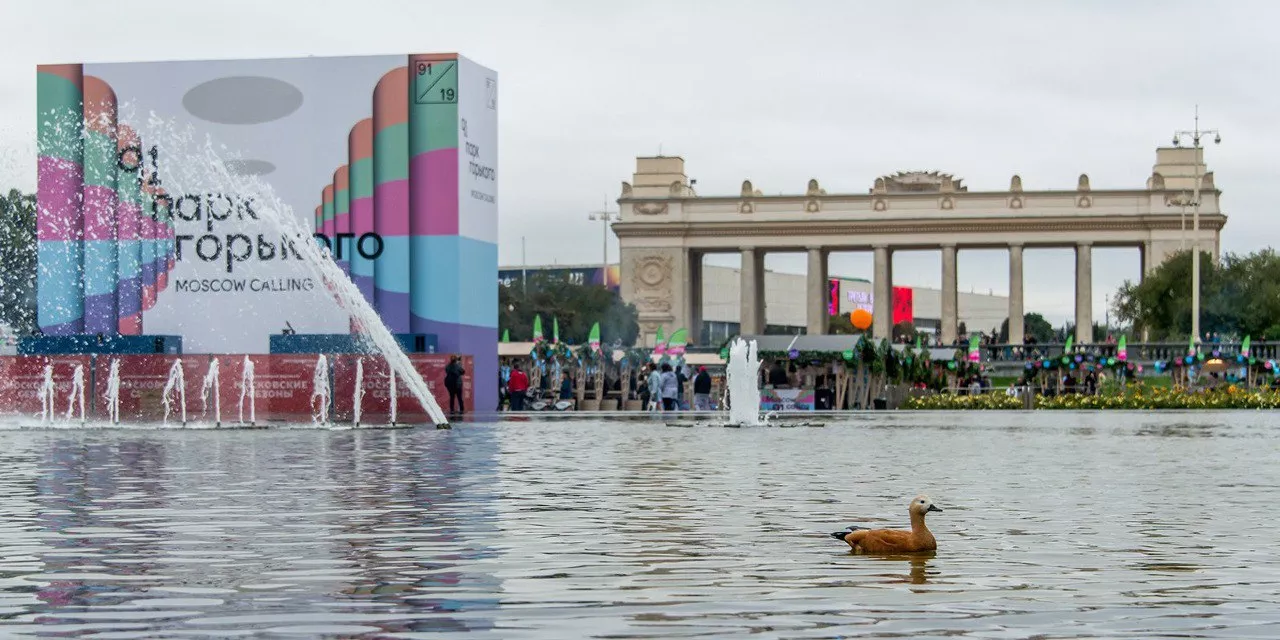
453	373
670	388
518	388
702	390
655	387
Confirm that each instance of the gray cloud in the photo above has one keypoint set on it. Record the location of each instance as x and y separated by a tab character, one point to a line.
777	92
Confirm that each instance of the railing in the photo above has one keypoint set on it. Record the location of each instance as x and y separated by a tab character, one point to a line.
1144	352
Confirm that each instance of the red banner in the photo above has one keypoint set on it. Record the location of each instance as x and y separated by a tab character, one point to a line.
282	387
21	378
375	406
142	382
903	305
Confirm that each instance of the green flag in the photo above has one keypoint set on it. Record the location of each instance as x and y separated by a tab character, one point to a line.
1071	341
555	330
1121	351
506	335
537	329
675	345
594	339
1244	347
1191	346
660	345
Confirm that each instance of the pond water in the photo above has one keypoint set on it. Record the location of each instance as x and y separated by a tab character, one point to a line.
1054	525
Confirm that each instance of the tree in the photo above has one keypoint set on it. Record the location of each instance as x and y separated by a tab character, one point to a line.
904	330
1239	296
840	324
1033	326
575	306
18	261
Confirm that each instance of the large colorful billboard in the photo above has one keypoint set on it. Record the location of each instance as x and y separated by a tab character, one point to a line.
172	196
575	275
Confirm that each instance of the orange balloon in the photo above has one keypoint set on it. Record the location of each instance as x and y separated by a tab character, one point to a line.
861	319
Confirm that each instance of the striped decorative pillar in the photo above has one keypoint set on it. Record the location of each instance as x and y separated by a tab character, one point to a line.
391	198
326	226
59	217
129	222
164	230
342	218
454	256
360	155
101	277
149	229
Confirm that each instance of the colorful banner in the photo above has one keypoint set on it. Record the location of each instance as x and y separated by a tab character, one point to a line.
787	400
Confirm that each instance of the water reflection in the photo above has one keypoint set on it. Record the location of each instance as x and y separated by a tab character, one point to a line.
1055	524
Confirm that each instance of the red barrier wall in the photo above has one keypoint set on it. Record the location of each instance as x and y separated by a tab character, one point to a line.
376	404
142	381
22	376
282	386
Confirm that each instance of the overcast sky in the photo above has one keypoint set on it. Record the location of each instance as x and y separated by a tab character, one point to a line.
778	92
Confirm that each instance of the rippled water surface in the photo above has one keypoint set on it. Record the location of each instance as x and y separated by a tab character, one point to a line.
1054	525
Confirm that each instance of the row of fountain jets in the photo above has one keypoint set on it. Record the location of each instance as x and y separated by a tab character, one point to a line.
741	388
175	390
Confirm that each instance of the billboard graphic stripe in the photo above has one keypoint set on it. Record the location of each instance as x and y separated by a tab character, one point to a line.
163	245
326	215
60	176
434	193
342	215
360	159
129	223
100	202
391	197
455	298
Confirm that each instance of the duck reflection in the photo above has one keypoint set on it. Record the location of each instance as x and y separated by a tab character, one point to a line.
917	565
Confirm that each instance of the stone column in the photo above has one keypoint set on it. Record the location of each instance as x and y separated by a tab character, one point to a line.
1084	293
817	292
1016	329
950	304
693	304
751	293
882	301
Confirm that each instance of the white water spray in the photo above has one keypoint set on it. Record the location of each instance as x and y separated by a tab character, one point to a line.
176	385
212	385
358	398
742	381
76	396
247	392
320	391
214	173
391	388
47	389
112	394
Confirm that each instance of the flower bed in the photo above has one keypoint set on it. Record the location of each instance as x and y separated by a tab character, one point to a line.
1136	396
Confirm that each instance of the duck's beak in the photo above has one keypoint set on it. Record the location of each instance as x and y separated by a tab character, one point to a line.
933	508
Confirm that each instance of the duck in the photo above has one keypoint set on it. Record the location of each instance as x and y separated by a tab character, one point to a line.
892	541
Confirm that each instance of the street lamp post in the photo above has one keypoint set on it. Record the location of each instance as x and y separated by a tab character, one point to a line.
1178	137
605	217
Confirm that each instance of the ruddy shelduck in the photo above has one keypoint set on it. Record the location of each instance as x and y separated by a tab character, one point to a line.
879	541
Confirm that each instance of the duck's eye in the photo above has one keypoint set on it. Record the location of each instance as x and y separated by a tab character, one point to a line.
922	502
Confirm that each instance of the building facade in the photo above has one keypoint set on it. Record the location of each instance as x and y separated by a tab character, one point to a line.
785	303
666	228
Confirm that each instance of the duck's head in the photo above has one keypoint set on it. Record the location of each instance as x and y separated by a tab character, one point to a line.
921	505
